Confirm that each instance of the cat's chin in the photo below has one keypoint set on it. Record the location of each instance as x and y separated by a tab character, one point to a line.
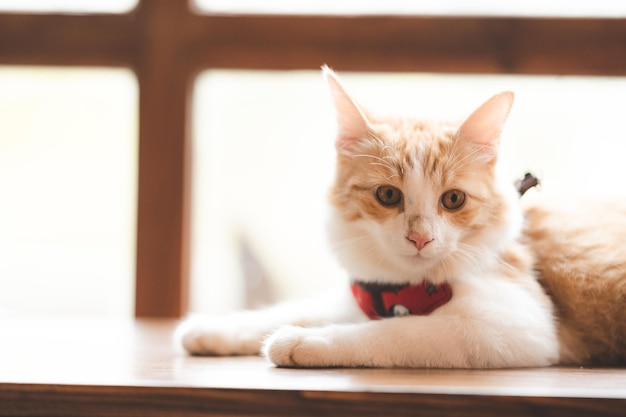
400	269
436	265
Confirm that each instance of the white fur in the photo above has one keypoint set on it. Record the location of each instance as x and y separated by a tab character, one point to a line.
243	333
511	330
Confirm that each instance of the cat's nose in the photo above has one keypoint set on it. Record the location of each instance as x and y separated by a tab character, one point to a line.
420	239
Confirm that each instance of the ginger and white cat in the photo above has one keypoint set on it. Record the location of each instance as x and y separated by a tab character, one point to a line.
443	272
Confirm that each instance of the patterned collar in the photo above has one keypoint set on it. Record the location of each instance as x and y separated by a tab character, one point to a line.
390	300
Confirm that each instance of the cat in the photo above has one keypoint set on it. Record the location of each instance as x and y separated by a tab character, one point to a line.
446	268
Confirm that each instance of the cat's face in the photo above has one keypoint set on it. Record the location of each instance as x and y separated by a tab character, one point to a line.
415	199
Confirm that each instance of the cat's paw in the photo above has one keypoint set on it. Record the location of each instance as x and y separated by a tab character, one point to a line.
293	346
219	336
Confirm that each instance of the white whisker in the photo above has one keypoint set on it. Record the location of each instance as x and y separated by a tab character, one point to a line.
382	162
453	164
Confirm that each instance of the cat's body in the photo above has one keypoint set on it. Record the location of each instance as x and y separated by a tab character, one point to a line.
580	251
421	203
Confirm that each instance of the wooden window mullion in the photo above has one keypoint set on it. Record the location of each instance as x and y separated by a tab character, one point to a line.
164	161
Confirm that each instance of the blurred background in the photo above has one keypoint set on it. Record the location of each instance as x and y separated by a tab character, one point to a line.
263	155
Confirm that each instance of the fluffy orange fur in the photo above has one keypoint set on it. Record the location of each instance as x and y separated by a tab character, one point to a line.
581	260
394	147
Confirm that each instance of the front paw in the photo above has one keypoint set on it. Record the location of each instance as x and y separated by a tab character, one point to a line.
293	346
218	337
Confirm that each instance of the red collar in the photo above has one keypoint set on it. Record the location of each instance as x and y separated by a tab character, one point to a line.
389	300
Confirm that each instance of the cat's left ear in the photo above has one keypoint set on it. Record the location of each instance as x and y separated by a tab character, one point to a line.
484	126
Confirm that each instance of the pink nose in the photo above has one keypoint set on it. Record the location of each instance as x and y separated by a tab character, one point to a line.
420	239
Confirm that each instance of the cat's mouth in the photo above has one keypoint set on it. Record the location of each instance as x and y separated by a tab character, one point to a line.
423	258
420	257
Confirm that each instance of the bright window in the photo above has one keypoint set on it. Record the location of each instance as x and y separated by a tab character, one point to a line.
570	8
68	162
68	6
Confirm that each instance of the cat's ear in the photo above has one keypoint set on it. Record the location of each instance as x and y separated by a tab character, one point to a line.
352	122
484	126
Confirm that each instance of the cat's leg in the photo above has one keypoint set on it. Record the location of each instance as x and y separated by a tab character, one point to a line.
242	333
451	337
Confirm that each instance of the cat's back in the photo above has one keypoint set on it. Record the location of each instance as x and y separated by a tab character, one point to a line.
580	249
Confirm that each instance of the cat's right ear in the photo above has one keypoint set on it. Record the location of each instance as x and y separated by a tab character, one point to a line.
352	123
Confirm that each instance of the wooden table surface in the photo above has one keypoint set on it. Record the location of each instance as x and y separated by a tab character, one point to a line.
92	367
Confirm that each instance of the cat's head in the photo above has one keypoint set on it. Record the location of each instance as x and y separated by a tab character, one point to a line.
415	199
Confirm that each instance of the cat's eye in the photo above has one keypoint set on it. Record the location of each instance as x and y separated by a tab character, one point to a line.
388	196
453	200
